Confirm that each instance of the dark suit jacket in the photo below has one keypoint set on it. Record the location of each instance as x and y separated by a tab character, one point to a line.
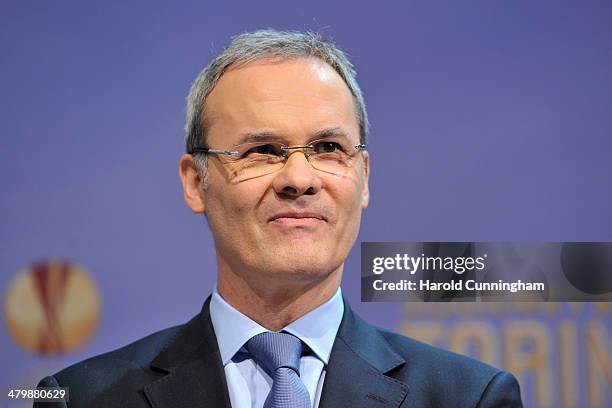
368	367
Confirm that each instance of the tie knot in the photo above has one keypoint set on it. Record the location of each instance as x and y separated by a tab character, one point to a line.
275	350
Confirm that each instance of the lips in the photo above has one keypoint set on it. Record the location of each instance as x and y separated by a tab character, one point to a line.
298	215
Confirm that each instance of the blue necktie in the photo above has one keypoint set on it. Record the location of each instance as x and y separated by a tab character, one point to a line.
279	355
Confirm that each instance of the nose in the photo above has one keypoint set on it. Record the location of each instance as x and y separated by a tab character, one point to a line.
297	177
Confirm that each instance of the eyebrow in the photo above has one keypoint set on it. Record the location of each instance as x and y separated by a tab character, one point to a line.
259	137
266	136
331	132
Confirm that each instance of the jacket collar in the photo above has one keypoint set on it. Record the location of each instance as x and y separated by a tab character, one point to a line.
192	375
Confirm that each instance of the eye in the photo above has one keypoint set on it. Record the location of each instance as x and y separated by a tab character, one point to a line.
266	149
326	147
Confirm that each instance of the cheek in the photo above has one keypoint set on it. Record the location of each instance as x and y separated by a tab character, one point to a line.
233	205
228	205
348	201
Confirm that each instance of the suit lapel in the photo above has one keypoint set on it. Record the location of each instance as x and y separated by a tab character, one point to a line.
194	375
359	360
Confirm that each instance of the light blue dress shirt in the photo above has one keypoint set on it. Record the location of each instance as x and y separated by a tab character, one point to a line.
249	384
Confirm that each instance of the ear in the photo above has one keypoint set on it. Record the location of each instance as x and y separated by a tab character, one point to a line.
192	184
365	192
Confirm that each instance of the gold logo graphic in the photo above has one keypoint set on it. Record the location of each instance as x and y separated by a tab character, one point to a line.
51	307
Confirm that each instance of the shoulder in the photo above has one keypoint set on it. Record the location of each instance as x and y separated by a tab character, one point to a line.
138	354
100	377
419	354
429	376
444	377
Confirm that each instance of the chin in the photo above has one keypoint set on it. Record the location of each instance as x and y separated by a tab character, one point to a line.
304	256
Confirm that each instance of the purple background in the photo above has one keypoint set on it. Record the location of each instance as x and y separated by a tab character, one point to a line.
491	121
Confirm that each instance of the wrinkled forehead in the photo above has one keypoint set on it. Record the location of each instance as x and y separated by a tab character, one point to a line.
293	97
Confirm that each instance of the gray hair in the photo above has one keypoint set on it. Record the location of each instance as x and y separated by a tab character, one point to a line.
257	45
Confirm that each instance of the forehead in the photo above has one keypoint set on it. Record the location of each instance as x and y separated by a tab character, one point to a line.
292	98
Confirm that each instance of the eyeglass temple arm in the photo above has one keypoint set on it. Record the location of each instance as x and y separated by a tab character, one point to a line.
213	151
359	146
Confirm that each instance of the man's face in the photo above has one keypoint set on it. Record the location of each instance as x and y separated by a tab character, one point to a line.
297	223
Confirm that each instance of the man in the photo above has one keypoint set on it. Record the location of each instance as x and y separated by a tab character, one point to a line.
276	130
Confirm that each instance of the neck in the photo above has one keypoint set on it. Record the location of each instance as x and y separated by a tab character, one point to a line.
275	304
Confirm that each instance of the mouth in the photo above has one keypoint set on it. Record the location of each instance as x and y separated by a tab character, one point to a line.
298	219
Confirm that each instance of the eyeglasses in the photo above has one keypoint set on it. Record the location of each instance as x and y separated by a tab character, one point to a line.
250	160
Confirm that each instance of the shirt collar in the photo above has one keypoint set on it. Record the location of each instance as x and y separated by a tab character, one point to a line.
317	328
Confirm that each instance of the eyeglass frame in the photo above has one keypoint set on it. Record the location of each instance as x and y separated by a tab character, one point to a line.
205	150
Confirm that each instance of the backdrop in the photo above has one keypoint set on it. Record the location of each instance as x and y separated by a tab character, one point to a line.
491	121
